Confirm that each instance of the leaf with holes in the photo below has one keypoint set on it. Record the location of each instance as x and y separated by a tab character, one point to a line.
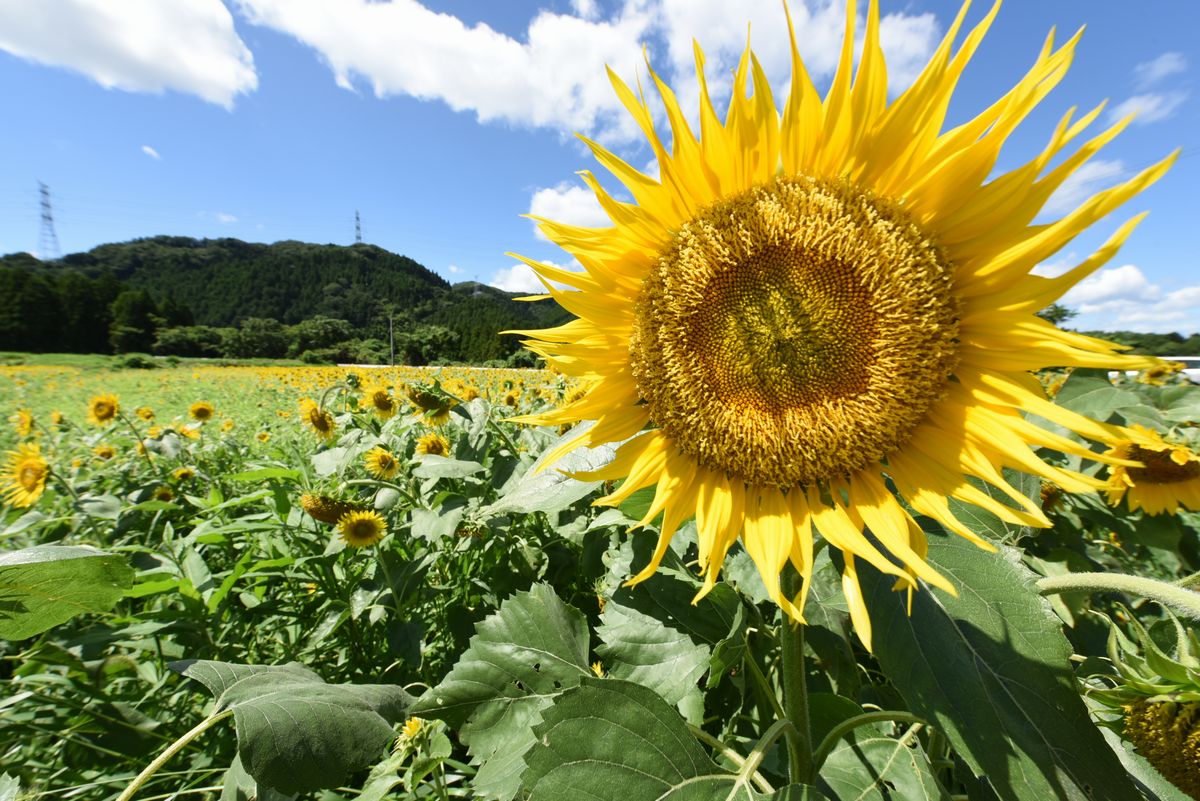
990	669
295	732
613	740
520	658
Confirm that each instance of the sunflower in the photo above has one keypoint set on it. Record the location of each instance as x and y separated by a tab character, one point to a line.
805	310
201	411
381	463
144	413
433	407
263	436
433	444
163	493
102	409
327	509
104	452
1167	480
22	422
317	418
183	473
362	528
227	425
24	477
380	401
57	418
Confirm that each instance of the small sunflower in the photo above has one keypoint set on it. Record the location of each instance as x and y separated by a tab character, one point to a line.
1157	375
227	425
361	529
433	407
104	452
380	401
144	413
24	477
381	463
316	418
433	444
201	411
183	473
103	409
163	493
1169	478
263	436
22	421
800	312
57	418
327	509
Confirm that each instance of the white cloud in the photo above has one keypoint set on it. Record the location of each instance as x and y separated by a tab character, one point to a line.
187	46
1150	107
151	152
1080	185
567	203
1151	72
1053	269
225	219
1116	284
1178	310
520	277
454	269
554	76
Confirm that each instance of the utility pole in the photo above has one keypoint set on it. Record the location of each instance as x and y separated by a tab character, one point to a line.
392	338
357	228
48	249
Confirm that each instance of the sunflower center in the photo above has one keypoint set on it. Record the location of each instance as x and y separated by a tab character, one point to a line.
1160	468
796	332
29	476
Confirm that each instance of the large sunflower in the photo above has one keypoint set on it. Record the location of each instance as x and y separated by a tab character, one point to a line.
24	477
806	306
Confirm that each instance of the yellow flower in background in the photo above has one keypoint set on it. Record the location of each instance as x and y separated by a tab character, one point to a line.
183	473
189	432
57	418
102	409
319	420
263	436
22	422
1167	480
1157	375
201	411
381	463
432	407
433	444
802	308
163	493
24	478
362	528
380	401
144	413
325	508
227	425
104	452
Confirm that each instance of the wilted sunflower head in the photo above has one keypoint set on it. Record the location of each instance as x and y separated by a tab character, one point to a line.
102	409
316	418
24	477
201	411
803	311
327	509
432	404
362	528
1166	478
381	463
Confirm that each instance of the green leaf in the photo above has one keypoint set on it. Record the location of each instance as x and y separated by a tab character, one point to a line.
880	769
264	473
553	489
45	585
10	787
295	732
105	507
441	467
654	636
534	647
613	740
990	669
1094	396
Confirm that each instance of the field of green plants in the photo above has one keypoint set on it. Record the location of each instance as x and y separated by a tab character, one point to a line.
313	583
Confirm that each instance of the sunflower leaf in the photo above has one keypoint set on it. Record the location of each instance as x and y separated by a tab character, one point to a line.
534	647
45	585
613	740
990	669
879	769
295	732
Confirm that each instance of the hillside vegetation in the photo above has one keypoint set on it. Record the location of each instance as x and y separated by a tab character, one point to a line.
225	297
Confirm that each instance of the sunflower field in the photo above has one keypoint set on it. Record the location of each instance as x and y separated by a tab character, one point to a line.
809	504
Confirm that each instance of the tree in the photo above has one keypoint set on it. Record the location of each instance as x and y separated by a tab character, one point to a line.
258	337
1057	313
134	319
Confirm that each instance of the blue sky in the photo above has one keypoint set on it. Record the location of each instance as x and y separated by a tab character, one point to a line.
443	122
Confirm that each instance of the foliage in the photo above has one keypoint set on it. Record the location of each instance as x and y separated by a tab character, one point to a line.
206	635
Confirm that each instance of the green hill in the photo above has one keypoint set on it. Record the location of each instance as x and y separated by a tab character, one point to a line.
222	283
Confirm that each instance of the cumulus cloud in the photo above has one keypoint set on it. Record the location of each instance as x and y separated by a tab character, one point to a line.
1116	284
1086	181
567	203
225	219
1149	73
151	152
1150	107
186	46
520	277
553	76
453	269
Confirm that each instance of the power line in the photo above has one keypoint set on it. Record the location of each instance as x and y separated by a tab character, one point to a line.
48	247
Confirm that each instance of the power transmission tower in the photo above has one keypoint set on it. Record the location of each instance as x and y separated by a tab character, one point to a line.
357	228
48	249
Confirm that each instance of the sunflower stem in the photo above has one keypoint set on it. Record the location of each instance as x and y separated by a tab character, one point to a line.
173	749
795	692
1178	599
845	727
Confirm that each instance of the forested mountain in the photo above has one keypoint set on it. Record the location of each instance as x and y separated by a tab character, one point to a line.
196	291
